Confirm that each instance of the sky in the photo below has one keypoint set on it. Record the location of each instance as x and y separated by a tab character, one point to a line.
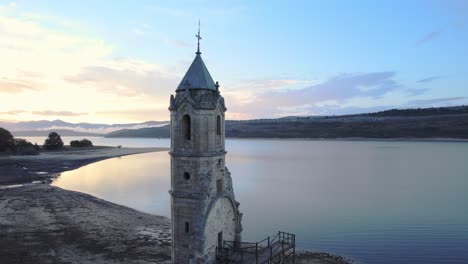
119	61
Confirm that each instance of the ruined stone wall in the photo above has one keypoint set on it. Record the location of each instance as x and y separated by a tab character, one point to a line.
203	201
221	218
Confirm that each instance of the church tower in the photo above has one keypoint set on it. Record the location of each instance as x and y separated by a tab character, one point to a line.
203	207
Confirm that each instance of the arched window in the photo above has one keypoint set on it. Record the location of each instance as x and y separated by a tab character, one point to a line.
186	176
185	127
187	227
219	185
218	126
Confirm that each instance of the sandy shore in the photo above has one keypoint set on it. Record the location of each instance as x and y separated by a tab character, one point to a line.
44	224
43	167
40	223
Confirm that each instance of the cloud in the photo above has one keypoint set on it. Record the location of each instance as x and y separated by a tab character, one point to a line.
429	79
429	37
416	91
145	113
30	75
63	60
8	6
33	55
57	113
176	43
12	112
260	85
334	93
127	78
139	32
14	87
76	70
328	110
27	45
425	102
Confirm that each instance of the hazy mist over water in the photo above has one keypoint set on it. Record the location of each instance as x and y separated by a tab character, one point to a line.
372	201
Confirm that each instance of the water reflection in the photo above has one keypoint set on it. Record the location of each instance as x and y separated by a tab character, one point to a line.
378	202
139	181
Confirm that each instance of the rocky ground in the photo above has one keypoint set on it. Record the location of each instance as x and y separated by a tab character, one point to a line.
44	224
308	257
43	167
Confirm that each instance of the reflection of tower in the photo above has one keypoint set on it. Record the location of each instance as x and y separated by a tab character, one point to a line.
204	210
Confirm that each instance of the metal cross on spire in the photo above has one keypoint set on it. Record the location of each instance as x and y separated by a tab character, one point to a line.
198	37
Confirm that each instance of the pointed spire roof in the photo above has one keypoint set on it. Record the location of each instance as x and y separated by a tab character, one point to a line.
197	76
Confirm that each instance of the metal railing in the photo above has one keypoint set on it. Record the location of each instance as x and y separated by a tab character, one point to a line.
272	246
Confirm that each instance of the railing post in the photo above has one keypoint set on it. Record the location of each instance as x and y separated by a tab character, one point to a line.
269	248
294	253
271	252
256	252
282	248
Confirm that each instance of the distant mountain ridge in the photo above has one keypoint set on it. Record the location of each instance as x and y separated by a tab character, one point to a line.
442	122
80	128
151	132
410	112
45	133
449	122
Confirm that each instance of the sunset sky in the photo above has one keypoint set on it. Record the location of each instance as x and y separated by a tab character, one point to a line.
119	61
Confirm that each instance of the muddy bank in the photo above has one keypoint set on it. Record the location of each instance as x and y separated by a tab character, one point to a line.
44	224
307	257
43	167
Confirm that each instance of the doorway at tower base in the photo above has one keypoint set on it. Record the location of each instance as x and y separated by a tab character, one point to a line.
220	226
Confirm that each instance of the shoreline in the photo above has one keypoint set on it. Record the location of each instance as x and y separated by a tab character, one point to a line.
46	224
48	164
41	223
459	140
409	139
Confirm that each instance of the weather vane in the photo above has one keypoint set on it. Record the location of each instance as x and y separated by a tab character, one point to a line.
198	37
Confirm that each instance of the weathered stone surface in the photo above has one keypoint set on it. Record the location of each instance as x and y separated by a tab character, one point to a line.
222	216
204	208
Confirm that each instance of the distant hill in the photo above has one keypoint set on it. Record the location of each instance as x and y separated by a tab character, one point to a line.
31	128
433	111
45	133
154	132
411	112
443	122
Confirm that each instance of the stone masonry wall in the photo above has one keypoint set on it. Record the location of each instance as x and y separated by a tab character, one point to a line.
203	202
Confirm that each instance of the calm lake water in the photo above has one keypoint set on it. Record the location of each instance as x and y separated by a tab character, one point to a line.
371	201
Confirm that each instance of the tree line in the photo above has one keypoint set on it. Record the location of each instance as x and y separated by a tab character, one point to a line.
10	144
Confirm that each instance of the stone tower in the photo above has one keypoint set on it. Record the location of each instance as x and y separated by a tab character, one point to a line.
203	207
